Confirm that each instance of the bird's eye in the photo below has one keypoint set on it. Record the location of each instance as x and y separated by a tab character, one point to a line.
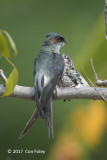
58	39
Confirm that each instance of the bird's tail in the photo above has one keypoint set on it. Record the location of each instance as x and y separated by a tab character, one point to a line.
32	120
48	112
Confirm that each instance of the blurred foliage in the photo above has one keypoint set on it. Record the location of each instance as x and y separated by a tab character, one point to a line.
11	82
66	148
83	131
82	24
5	53
4	49
90	122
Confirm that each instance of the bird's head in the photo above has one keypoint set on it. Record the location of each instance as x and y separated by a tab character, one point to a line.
54	41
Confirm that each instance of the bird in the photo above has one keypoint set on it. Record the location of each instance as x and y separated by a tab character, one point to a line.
48	68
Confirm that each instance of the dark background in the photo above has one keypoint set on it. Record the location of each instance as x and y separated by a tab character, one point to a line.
82	24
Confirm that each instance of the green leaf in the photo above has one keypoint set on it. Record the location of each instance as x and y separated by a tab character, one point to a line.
12	44
11	82
4	48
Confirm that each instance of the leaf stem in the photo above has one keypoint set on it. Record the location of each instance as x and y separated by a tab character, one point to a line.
10	62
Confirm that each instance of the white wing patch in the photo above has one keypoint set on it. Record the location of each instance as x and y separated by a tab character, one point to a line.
38	79
46	80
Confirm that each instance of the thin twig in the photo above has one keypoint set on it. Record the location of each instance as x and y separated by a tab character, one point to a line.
3	77
94	86
95	74
101	83
98	82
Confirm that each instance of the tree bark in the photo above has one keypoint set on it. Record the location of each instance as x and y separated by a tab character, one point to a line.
59	93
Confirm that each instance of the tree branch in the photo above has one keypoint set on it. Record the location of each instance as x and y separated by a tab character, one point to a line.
95	87
59	93
67	90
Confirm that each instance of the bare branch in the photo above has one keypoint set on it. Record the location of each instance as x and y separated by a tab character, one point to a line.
94	86
3	77
98	82
59	93
101	83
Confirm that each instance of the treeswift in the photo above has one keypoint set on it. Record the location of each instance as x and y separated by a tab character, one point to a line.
48	68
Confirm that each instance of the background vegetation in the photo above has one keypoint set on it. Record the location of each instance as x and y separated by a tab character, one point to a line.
80	126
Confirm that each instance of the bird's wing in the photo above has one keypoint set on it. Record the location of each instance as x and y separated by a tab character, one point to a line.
48	111
46	105
47	91
37	102
54	71
36	94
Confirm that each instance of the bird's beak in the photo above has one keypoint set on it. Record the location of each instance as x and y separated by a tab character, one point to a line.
65	41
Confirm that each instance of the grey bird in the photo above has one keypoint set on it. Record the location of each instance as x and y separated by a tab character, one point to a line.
48	68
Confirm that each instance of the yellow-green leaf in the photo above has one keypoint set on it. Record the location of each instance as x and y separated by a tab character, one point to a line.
12	44
11	82
4	48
